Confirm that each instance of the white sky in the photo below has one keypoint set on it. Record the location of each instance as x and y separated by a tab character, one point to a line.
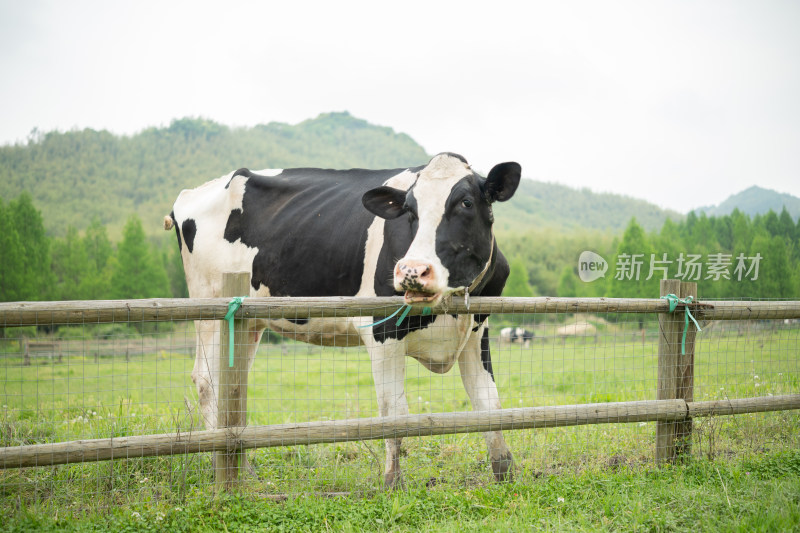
614	96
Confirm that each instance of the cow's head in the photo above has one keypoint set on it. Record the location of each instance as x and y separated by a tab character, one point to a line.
449	210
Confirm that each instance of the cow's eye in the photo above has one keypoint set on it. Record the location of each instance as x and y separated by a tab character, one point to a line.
466	203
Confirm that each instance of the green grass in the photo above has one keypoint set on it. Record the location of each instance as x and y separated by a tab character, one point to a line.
753	494
603	472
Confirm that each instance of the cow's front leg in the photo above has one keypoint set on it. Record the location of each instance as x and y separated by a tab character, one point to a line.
388	371
475	365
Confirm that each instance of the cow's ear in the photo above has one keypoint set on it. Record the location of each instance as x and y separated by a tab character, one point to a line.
385	202
502	181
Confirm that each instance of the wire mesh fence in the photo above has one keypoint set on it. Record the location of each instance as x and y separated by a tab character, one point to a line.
73	373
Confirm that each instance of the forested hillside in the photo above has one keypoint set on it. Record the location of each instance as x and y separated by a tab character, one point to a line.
755	201
79	176
540	205
731	256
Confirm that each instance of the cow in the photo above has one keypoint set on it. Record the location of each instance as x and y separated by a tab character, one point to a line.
518	335
423	232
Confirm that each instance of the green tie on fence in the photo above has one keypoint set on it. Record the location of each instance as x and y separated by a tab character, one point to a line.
673	303
233	306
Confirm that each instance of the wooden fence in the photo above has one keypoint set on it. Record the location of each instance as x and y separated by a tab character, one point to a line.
673	410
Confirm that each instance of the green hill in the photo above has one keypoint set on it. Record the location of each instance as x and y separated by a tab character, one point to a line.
755	201
540	205
76	176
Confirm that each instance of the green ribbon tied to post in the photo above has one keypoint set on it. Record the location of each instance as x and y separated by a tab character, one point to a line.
233	306
673	303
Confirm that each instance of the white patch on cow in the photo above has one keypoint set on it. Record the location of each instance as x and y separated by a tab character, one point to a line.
431	192
209	205
374	244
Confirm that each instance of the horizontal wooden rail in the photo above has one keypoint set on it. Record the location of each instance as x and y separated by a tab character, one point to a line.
381	428
14	314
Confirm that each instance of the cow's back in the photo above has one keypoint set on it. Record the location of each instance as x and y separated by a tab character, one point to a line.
299	232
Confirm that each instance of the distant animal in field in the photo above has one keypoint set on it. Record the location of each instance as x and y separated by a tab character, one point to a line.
516	335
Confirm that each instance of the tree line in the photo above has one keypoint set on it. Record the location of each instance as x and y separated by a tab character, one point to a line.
82	266
732	256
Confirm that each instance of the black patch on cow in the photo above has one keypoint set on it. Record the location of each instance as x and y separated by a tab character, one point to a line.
486	356
464	236
309	227
390	330
189	228
177	231
298	321
233	228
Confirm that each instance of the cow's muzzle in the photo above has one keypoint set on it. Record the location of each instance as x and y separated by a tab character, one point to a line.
418	280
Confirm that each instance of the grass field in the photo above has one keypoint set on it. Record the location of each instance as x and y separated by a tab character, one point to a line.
91	397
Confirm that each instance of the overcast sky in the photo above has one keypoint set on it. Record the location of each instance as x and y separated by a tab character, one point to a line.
679	103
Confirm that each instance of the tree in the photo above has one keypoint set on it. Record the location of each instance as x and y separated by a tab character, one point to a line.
97	282
12	267
567	286
174	266
35	247
517	282
138	273
632	267
70	267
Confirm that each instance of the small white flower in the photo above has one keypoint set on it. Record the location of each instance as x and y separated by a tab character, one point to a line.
642	424
143	481
560	499
178	509
755	377
136	515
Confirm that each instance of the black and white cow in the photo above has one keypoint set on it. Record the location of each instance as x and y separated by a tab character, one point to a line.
518	335
424	232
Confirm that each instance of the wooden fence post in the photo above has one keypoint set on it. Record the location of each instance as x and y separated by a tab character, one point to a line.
675	373
232	400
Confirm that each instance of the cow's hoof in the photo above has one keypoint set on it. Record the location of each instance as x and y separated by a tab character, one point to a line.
503	468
